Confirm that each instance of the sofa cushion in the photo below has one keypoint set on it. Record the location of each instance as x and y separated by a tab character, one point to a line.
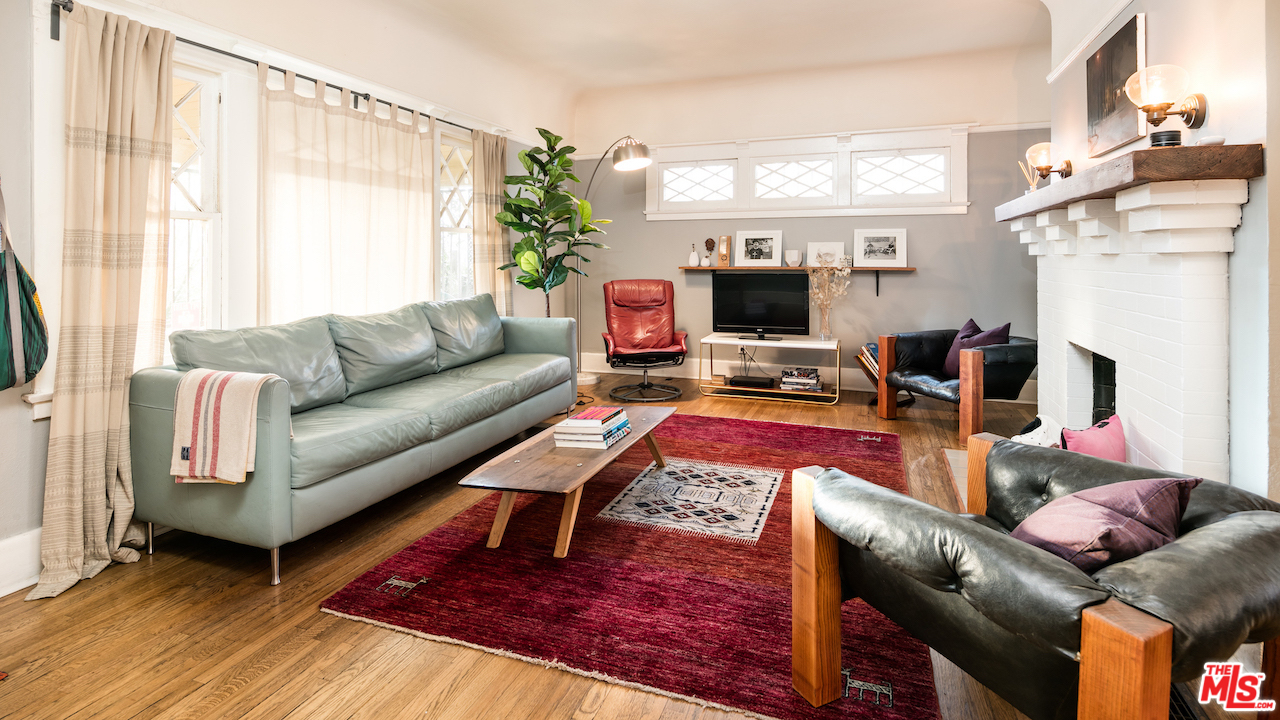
466	330
532	373
335	438
301	352
1096	527
450	402
982	338
384	348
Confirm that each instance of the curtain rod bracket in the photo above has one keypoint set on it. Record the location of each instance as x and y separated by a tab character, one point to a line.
55	17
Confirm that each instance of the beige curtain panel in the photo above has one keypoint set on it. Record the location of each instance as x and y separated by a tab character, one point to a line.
119	122
491	244
345	207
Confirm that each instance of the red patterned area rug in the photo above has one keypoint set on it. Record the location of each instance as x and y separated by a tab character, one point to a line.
687	615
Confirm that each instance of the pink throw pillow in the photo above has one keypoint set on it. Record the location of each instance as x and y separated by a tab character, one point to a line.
1104	440
1110	523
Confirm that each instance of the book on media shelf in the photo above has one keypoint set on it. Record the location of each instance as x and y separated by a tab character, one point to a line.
595	417
590	430
596	442
870	354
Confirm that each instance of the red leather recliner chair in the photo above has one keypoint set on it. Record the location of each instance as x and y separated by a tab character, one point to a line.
641	316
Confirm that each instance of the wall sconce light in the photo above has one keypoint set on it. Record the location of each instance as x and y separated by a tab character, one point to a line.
1156	89
1043	156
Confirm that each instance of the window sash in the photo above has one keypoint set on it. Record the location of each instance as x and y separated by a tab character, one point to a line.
884	177
667	171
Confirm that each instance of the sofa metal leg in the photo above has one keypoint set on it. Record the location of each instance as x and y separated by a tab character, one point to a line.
275	566
1126	658
151	539
887	397
971	394
815	597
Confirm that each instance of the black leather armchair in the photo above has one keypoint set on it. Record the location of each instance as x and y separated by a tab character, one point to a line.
914	362
1053	641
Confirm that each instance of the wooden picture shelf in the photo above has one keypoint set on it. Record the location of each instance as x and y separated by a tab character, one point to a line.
734	268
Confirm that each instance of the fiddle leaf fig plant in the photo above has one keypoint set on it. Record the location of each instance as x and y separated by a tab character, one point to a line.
552	222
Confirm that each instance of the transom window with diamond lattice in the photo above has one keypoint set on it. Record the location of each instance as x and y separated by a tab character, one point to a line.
921	174
697	183
795	179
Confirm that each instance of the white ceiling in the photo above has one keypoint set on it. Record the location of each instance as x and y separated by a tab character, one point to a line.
597	43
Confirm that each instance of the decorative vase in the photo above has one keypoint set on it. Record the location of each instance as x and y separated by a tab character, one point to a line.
693	256
706	261
824	327
793	258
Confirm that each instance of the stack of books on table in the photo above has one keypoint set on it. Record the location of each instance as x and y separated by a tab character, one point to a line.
596	428
798	378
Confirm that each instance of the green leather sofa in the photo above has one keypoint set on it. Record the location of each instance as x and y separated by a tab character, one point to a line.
376	403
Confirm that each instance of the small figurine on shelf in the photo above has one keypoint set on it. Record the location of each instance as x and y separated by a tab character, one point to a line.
710	245
693	255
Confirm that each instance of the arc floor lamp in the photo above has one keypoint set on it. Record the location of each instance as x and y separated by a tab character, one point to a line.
628	154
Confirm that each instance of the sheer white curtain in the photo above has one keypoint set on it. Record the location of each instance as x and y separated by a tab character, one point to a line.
346	215
492	245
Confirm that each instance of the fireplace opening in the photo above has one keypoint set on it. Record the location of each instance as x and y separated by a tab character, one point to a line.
1104	388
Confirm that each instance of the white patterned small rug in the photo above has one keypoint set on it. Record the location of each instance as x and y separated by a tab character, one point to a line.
698	498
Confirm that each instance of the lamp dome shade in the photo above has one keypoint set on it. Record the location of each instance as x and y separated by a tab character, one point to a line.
1042	155
631	154
1158	85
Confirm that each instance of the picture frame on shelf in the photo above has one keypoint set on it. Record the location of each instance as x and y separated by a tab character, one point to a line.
816	248
1113	120
758	248
880	248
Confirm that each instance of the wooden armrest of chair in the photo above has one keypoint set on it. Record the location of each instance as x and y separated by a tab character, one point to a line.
815	597
976	475
887	397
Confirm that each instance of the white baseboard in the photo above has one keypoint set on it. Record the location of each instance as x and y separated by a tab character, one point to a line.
850	378
19	561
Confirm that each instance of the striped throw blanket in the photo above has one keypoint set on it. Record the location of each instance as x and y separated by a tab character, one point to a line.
215	426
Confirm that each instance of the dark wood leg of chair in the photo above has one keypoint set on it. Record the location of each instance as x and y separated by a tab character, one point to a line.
971	393
976	475
1126	657
887	397
1270	669
815	597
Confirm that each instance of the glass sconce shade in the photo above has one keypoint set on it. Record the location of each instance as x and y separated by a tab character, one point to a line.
1042	155
1158	85
631	154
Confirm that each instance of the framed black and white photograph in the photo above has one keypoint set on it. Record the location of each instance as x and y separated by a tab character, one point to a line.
880	248
1113	119
758	248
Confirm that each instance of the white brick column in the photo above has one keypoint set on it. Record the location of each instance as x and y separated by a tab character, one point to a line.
1141	279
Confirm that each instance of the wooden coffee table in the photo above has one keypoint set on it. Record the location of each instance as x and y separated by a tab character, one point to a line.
538	466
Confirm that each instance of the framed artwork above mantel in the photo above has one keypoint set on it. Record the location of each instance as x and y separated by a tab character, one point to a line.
1113	120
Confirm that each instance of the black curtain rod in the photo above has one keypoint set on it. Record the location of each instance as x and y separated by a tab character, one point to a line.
68	5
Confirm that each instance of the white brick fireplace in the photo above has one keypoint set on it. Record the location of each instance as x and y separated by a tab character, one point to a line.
1141	279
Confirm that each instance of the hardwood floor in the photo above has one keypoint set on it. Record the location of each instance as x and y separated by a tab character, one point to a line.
195	631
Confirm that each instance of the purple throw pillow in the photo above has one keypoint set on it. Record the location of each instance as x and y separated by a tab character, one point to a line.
1107	524
994	336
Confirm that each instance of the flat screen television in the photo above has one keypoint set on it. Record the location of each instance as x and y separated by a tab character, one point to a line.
760	303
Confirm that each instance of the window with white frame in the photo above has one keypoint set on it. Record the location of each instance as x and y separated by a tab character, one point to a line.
195	220
898	172
455	271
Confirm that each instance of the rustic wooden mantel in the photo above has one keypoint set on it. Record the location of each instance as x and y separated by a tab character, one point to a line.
1208	162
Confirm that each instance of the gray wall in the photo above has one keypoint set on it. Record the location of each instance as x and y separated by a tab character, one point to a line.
968	265
23	443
